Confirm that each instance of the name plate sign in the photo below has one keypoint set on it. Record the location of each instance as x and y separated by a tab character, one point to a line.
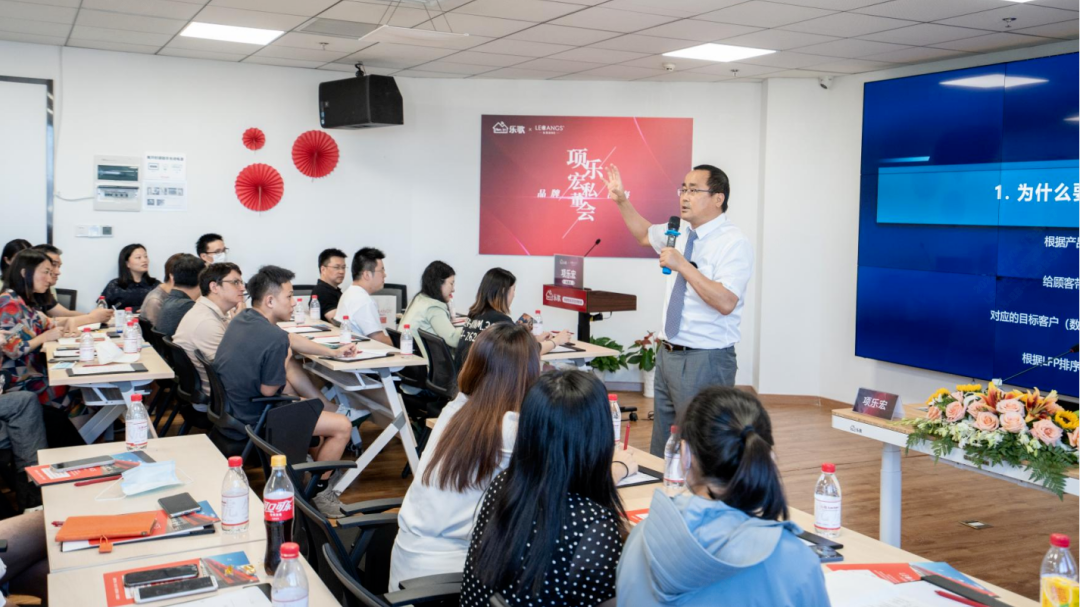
878	404
570	271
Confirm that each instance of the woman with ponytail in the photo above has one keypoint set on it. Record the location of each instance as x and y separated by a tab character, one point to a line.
727	540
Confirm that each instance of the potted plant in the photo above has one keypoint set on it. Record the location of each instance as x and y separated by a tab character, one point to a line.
609	364
643	354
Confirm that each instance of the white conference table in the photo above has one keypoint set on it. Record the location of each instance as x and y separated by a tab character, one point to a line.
893	436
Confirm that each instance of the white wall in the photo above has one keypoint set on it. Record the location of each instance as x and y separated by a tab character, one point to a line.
811	207
412	191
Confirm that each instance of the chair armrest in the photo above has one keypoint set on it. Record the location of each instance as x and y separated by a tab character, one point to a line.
281	398
371	506
320	467
433	580
420	596
365	521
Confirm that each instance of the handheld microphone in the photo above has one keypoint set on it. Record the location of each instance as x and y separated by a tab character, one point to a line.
1071	350
672	235
591	248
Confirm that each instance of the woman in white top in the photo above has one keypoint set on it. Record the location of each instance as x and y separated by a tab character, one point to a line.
471	443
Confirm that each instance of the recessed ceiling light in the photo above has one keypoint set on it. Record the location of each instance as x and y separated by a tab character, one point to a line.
993	81
718	52
1018	1
230	33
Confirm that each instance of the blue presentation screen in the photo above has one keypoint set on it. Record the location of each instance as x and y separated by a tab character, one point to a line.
968	222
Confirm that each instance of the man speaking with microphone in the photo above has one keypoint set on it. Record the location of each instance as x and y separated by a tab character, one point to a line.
710	263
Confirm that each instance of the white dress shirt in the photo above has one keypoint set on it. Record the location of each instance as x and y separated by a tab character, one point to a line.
363	312
723	254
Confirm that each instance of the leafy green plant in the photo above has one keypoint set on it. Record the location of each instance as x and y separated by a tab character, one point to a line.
610	364
643	352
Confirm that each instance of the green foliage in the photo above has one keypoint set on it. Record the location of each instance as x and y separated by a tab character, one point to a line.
610	364
643	353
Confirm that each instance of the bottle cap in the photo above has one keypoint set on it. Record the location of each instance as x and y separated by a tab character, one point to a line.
236	462
1059	539
290	550
277	461
314	297
538	311
344	318
128	310
613	397
404	326
830	468
674	429
136	398
86	329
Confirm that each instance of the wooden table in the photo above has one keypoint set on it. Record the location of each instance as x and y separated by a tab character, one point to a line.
108	393
196	458
893	437
858	548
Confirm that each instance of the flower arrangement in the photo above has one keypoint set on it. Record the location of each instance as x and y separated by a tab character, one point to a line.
1023	429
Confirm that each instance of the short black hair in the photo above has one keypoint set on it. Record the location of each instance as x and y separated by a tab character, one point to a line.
11	249
215	272
328	254
185	271
169	263
267	281
718	183
365	260
48	249
432	280
204	241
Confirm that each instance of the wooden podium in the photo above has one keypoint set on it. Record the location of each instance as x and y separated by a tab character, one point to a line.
587	302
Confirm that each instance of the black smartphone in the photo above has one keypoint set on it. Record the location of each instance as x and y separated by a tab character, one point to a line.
826	554
165	574
179	505
814	538
172	590
79	464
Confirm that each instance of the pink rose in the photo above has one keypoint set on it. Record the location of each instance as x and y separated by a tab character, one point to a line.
958	395
1013	421
986	421
933	413
1046	431
1010	406
954	411
976	404
1074	436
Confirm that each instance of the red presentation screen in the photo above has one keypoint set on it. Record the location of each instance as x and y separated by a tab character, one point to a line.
542	181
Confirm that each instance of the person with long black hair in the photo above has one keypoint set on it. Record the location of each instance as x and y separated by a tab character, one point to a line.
728	540
429	309
11	249
133	281
551	527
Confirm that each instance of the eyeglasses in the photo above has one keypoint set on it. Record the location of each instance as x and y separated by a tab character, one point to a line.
225	250
338	267
236	283
683	191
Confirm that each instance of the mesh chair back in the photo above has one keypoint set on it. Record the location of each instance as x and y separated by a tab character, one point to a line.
354	594
442	374
188	384
216	410
415	376
67	298
303	291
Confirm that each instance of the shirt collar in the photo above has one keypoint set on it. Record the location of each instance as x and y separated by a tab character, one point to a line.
710	226
328	285
178	294
205	301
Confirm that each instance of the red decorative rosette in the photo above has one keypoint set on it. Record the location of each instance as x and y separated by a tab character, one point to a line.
315	154
254	139
259	187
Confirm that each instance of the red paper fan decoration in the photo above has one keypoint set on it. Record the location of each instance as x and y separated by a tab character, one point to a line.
254	139
315	154
259	187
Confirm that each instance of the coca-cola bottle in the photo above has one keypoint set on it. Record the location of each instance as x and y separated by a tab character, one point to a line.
277	512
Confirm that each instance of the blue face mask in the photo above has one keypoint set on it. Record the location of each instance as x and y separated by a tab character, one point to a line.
147	477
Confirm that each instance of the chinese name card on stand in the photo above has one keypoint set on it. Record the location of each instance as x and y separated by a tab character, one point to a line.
878	404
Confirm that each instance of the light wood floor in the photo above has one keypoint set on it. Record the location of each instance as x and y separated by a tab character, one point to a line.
936	496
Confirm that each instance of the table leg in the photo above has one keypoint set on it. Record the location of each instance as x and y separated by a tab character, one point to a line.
889	523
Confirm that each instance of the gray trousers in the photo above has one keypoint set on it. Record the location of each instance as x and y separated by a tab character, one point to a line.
21	413
680	375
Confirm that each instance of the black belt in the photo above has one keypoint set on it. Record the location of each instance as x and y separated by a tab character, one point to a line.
670	347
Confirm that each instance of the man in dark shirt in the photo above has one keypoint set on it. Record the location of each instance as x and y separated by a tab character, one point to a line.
185	275
331	274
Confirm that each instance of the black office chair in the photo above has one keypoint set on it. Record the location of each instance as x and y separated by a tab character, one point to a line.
439	388
414	376
188	391
304	291
431	590
67	298
224	423
166	387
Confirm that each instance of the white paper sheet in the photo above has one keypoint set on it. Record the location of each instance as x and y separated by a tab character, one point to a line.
639	478
366	355
303	330
249	596
98	369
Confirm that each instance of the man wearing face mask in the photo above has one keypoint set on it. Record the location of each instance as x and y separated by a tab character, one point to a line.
211	248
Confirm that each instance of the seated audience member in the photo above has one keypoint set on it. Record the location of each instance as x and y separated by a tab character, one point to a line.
222	288
727	540
151	305
550	528
133	281
10	250
68	320
211	248
251	361
332	266
25	565
185	275
21	414
429	309
471	443
369	276
492	306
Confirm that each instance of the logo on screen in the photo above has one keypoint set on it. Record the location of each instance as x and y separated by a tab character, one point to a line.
500	128
548	129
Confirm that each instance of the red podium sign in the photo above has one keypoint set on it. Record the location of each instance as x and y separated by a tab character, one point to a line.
567	298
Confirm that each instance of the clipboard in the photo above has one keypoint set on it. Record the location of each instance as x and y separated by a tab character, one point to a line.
360	359
569	346
135	368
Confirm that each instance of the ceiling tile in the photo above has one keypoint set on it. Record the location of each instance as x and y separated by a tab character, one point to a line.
641	44
558	65
213	46
851	48
82	32
190	54
802	74
150	8
67	3
778	40
134	23
525	10
612	20
786	60
833	5
480	26
560	34
487	59
915	55
242	18
300	54
657	62
847	25
598	55
522	47
927	10
376	13
745	69
445	5
312	42
423	74
520	74
1071	5
671	8
697	31
684	77
306	8
1025	15
623	72
764	14
851	66
924	34
993	42
32	38
113	46
398	55
36	28
453	42
587	77
448	67
282	62
37	12
1065	29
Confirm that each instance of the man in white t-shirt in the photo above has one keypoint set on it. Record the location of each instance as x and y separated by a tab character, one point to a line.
356	304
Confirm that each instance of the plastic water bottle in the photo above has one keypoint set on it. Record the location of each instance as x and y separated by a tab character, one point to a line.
234	498
290	587
278	512
131	340
538	323
137	425
346	333
101	302
616	415
827	503
674	481
86	346
138	333
406	341
315	310
120	321
1058	584
299	311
